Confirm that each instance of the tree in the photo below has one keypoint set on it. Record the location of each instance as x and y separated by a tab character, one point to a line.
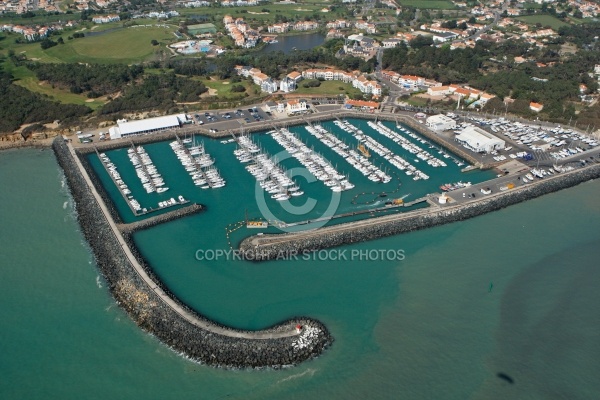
154	42
47	43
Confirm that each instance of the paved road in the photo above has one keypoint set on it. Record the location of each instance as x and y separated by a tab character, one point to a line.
159	292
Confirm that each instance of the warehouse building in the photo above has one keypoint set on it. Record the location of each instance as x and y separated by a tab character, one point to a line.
126	128
478	140
440	122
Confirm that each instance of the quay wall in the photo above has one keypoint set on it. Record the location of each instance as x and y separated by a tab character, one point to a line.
291	121
152	309
267	247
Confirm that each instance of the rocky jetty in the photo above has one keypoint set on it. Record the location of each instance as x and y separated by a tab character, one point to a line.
288	343
162	218
267	247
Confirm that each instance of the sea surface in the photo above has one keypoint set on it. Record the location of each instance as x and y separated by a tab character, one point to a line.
512	292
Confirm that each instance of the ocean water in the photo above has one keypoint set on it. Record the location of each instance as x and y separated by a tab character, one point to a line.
512	292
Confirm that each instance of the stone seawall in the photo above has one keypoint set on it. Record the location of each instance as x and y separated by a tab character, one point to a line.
267	247
162	218
203	341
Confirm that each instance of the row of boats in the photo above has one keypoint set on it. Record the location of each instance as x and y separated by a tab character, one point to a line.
448	187
172	202
198	164
394	159
407	144
359	162
116	176
270	176
315	163
440	151
146	171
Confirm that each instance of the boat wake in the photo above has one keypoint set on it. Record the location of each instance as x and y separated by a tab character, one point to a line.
310	372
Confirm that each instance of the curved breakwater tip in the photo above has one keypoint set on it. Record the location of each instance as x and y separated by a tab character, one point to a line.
153	308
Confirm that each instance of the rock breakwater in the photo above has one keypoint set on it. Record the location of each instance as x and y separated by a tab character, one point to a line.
267	247
156	310
162	218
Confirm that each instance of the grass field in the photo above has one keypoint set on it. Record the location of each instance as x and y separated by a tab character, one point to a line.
429	4
534	6
224	92
329	88
545	20
255	13
125	45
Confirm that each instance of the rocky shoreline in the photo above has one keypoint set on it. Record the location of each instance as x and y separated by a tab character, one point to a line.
236	349
266	247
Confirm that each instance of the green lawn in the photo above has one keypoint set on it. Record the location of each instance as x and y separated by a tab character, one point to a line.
125	45
417	101
329	88
545	20
255	13
429	4
224	92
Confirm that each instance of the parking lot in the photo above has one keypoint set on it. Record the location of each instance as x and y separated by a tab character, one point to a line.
231	119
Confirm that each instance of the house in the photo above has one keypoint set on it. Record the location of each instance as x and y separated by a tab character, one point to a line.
269	85
287	85
536	107
442	37
295	76
365	105
438	91
391	43
296	106
485	97
270	106
462	92
104	19
411	81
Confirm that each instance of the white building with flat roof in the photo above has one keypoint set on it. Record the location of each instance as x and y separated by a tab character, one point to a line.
126	128
478	140
440	122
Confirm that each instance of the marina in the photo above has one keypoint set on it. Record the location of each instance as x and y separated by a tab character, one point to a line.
272	175
198	163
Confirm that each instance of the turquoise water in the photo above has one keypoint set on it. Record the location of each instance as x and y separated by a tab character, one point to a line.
425	327
229	204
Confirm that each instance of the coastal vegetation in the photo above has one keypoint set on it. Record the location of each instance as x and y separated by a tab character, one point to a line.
94	79
19	106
